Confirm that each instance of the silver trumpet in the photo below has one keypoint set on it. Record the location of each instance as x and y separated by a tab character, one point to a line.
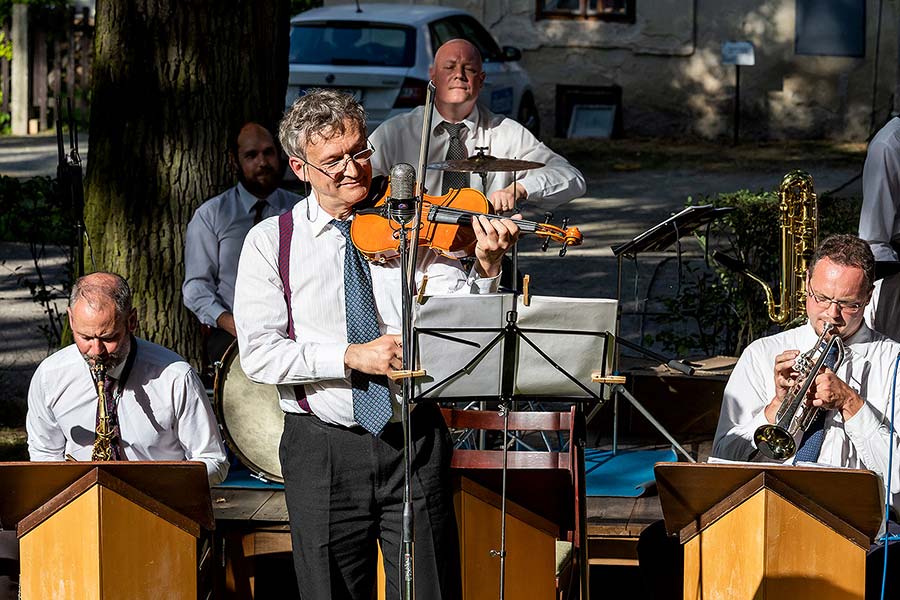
777	440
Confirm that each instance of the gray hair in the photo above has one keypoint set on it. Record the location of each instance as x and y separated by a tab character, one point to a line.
320	113
108	286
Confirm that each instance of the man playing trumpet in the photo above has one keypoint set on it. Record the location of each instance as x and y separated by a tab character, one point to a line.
854	428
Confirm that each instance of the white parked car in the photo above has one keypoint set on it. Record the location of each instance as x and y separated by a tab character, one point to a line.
382	54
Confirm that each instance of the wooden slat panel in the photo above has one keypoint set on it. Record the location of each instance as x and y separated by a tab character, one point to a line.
518	420
493	459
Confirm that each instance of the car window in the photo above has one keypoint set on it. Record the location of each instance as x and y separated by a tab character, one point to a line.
468	28
352	43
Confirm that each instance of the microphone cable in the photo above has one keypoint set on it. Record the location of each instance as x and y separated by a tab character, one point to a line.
887	502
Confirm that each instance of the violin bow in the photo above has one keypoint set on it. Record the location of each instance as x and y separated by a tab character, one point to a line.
420	185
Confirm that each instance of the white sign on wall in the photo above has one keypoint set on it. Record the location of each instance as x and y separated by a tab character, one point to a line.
738	53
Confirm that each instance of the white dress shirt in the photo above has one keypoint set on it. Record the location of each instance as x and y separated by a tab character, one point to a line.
316	358
213	244
879	219
861	442
398	139
164	413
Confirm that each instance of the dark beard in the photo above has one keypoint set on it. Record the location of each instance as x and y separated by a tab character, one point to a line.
258	190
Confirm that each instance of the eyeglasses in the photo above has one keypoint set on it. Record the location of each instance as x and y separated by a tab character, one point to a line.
844	306
337	167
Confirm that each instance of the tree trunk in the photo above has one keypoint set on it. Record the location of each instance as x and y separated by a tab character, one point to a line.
171	78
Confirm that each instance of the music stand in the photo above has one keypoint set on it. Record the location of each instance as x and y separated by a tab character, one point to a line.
656	239
506	350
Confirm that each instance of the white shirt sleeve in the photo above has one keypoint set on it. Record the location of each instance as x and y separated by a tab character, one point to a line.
881	198
552	185
743	406
201	263
46	441
198	431
268	355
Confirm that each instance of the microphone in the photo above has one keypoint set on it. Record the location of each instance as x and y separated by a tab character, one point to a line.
401	204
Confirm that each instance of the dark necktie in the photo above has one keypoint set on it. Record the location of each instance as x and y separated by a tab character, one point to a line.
109	385
371	396
811	443
258	209
456	150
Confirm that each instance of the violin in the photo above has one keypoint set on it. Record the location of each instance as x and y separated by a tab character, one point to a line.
446	227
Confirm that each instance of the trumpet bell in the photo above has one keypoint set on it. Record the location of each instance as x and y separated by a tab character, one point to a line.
775	442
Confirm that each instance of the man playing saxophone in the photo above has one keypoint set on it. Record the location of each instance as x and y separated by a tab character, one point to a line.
154	404
112	396
852	427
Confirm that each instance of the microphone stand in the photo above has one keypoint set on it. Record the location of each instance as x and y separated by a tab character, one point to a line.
408	260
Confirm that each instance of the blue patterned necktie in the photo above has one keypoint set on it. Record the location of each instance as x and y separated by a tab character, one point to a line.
811	443
455	151
371	396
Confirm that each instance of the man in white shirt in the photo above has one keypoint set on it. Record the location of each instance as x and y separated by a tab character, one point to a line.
854	430
458	77
322	324
158	407
217	230
879	219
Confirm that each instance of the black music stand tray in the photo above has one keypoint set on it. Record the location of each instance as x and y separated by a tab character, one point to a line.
656	239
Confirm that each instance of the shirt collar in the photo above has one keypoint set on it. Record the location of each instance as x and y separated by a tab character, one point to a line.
862	335
247	199
319	219
470	120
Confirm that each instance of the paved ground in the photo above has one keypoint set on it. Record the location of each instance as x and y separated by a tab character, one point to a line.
618	206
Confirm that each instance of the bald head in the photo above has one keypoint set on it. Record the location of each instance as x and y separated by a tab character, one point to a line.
458	78
102	288
256	156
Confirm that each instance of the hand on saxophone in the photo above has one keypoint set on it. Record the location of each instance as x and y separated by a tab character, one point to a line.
831	393
784	379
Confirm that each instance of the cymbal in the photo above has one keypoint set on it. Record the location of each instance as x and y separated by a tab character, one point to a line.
485	163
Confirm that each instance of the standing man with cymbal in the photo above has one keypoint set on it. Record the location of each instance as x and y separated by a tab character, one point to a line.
460	125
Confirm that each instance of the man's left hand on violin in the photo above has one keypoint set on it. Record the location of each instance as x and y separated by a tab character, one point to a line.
494	237
504	200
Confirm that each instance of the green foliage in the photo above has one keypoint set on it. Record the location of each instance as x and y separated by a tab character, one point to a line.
717	311
31	212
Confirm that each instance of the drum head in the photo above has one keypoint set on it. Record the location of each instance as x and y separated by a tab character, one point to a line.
250	417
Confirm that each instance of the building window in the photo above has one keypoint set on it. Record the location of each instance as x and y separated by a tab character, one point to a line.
604	10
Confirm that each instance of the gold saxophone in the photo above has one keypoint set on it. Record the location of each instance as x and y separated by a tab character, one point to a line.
103	449
799	219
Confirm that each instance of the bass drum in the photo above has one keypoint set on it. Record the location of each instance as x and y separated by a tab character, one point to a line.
249	416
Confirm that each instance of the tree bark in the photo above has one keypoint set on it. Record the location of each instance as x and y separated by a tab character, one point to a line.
171	79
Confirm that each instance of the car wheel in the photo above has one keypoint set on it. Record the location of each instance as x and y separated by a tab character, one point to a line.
528	115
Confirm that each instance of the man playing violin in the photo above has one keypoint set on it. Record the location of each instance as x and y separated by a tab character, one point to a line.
460	126
323	325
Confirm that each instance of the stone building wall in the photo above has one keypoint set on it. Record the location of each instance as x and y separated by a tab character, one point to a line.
668	65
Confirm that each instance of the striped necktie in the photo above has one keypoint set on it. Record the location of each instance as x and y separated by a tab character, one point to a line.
371	396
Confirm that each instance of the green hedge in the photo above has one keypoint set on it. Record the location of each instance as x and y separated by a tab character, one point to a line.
717	311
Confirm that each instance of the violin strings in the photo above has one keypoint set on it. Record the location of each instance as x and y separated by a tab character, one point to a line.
526	226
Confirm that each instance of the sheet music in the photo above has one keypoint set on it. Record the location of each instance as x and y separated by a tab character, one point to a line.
572	334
